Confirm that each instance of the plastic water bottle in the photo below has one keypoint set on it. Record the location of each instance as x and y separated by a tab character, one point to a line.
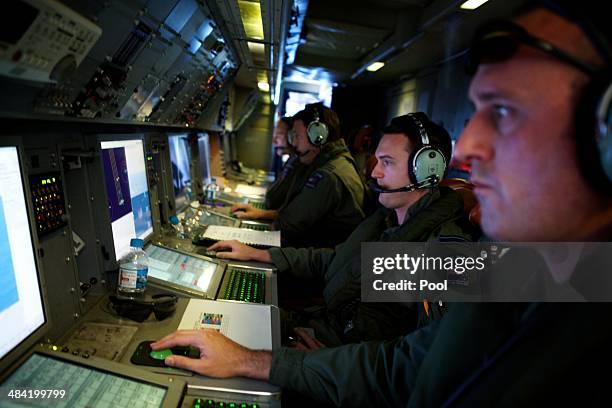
212	191
133	270
178	227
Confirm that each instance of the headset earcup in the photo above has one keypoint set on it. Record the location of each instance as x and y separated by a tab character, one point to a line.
317	133
425	162
594	151
604	131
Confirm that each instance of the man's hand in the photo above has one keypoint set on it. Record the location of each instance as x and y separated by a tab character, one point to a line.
247	211
239	251
220	357
307	343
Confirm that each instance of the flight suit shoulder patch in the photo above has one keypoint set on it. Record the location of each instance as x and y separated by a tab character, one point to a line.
314	179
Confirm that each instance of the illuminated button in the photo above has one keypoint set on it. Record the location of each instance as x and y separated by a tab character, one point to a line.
160	354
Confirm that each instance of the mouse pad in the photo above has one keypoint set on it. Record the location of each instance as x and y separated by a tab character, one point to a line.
142	354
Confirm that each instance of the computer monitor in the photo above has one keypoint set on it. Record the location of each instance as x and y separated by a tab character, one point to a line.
52	378
129	205
180	157
189	273
22	314
204	157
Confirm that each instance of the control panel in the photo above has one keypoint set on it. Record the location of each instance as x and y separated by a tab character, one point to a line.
218	403
47	41
48	201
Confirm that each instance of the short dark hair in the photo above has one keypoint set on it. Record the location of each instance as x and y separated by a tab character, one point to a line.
438	136
326	116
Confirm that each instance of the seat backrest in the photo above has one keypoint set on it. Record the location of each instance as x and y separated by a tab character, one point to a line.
465	189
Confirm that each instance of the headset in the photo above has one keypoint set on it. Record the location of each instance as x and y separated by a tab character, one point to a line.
594	108
426	164
317	131
594	111
162	305
604	131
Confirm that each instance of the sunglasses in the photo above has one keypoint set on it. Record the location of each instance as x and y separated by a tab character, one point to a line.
499	40
161	305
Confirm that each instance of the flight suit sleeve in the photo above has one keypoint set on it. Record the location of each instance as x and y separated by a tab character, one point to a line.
365	374
320	195
303	262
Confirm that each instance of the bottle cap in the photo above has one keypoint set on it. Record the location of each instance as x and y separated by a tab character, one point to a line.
174	220
137	243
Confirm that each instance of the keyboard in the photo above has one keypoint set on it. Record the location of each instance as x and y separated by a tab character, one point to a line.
258	204
245	285
208	403
257	227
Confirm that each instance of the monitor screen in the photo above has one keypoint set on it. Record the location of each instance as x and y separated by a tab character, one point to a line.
180	269
129	206
21	302
82	386
180	156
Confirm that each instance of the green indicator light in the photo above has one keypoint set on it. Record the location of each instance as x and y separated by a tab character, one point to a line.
44	182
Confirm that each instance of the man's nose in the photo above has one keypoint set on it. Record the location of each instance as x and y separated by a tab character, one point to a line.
376	171
474	142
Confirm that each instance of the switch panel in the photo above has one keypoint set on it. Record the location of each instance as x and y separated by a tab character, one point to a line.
48	202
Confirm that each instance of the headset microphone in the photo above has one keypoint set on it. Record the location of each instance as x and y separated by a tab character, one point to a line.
429	181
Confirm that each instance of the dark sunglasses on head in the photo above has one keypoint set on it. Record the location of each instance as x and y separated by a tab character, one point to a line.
499	40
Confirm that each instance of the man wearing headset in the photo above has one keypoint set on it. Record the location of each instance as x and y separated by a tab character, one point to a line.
287	171
325	205
525	142
412	157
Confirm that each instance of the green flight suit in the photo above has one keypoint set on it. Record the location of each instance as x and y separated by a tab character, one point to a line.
437	215
323	207
277	192
477	354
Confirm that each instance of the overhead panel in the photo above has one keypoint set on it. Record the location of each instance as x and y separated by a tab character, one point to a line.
155	61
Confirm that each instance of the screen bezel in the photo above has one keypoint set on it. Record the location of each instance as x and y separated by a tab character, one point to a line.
21	348
213	286
117	138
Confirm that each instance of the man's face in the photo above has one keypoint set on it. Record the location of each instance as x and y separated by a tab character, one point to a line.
307	151
391	171
522	148
279	138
